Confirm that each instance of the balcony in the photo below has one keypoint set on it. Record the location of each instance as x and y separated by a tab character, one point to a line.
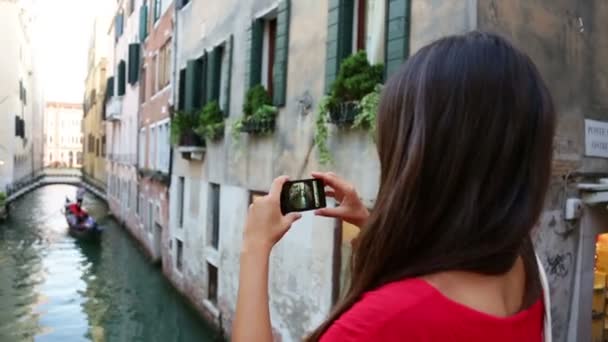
113	108
123	158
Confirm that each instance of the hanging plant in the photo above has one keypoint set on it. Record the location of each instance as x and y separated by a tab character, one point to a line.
352	101
182	130
211	122
259	114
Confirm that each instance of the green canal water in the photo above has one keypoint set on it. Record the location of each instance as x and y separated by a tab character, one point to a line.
56	289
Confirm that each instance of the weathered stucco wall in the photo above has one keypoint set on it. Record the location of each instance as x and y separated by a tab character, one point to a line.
567	41
301	266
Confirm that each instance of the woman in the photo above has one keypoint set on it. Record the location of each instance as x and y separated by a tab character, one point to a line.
465	141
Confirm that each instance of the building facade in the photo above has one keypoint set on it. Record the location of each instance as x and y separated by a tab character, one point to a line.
154	149
63	135
94	127
21	95
122	110
293	49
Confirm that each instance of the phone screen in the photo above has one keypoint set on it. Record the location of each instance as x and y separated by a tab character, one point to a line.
302	195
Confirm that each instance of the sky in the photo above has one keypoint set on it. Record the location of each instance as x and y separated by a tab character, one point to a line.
65	28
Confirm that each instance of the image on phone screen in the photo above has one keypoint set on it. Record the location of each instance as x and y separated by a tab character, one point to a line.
302	195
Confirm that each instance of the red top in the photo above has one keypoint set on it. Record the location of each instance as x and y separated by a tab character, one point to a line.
413	310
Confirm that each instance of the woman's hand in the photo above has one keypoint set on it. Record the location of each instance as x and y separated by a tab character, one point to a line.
351	208
265	224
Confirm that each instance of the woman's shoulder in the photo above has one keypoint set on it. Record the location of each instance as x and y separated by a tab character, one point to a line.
405	304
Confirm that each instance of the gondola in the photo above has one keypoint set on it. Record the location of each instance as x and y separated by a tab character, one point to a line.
81	225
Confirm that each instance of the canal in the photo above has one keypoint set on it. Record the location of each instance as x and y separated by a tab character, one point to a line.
54	288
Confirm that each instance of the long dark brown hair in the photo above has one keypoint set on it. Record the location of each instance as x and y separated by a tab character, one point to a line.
465	133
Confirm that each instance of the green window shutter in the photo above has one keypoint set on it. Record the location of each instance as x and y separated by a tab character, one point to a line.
279	77
143	22
339	37
202	77
397	34
214	67
110	88
192	98
255	52
122	79
134	63
227	75
156	10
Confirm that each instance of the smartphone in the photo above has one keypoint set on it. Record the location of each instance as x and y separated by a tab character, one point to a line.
302	195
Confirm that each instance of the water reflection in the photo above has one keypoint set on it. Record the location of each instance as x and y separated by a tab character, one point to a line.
54	288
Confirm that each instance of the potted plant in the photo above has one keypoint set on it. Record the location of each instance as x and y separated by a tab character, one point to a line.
259	113
352	100
211	122
182	130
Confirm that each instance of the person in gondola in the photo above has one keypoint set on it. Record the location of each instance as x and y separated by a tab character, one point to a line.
80	195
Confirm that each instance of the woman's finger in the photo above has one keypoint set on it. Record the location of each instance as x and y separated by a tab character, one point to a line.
292	217
330	212
332	180
277	186
330	193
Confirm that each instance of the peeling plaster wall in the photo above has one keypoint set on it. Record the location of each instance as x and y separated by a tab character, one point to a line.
567	41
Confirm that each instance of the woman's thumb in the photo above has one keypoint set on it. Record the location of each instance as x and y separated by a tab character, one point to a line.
292	217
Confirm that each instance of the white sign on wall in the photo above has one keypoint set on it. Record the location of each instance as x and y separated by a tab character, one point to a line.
596	138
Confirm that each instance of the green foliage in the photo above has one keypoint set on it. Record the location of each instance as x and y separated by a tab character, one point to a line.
211	122
259	114
321	132
358	82
2	198
368	109
256	97
356	78
181	123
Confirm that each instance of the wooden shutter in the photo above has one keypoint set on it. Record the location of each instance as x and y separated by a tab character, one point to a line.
110	88
134	63
255	45
203	65
181	92
279	77
397	34
227	75
214	67
122	80
143	22
339	37
192	98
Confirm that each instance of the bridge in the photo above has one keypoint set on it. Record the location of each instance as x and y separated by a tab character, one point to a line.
49	177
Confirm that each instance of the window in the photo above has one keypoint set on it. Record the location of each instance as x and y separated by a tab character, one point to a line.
157	9
214	215
142	148
151	151
180	201
103	145
162	146
180	254
154	74
212	284
150	216
134	63
269	45
164	67
143	97
139	199
181	93
79	157
131	6
122	78
119	24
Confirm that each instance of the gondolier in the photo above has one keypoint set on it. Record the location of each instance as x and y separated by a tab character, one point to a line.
80	195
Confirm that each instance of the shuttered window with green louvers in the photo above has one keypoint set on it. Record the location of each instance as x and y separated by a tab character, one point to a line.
122	79
192	99
339	37
279	77
214	72
397	34
156	10
110	88
134	63
227	75
143	22
255	46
